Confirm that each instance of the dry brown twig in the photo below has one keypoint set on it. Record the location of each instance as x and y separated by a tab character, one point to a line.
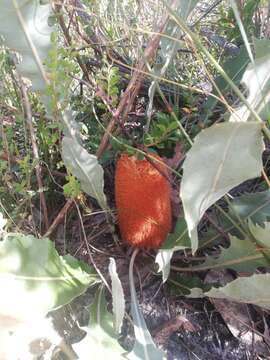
59	218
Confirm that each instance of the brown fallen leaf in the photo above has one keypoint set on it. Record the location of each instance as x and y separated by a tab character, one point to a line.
162	335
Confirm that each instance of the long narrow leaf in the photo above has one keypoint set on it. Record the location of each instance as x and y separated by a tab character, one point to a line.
118	297
144	347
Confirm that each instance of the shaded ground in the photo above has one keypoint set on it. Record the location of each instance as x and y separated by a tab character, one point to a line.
185	328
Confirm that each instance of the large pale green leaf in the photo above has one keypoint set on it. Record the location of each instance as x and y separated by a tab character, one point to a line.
24	26
249	290
168	45
257	80
85	167
241	255
100	341
178	240
118	297
36	279
222	157
254	290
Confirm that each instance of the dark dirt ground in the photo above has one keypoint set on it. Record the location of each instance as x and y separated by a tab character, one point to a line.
185	328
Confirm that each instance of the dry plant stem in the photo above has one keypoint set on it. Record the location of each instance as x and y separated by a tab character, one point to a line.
28	115
93	261
57	9
266	177
165	80
59	218
133	88
96	40
68	350
218	228
89	251
131	275
7	157
99	91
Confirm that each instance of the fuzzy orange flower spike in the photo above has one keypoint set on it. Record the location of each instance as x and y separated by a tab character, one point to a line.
143	200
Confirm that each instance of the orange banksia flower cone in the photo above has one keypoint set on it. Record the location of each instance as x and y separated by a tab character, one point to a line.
142	200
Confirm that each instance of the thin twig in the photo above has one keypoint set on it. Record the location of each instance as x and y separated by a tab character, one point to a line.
28	116
133	88
68	205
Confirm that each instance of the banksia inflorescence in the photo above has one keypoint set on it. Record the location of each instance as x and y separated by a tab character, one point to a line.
143	205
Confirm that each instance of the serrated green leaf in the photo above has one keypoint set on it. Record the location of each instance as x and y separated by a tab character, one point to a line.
241	255
213	167
118	298
261	234
36	279
100	340
182	284
257	80
86	169
254	206
24	26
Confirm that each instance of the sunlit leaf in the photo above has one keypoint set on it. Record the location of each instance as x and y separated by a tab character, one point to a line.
257	80
36	279
24	26
213	167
